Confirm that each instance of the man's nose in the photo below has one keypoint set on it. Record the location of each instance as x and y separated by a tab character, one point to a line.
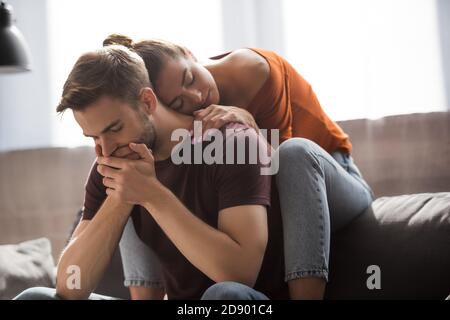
107	147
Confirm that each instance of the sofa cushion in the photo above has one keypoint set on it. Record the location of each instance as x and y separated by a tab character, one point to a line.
407	237
403	154
24	265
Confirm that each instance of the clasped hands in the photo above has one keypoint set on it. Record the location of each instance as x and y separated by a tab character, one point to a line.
129	178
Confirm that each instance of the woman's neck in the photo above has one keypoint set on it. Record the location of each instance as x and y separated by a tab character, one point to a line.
222	74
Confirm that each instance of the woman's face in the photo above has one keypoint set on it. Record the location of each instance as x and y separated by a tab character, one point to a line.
185	86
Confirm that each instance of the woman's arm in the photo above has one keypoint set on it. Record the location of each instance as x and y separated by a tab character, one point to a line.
248	72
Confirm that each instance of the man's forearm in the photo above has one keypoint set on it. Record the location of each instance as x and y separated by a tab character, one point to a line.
212	251
90	251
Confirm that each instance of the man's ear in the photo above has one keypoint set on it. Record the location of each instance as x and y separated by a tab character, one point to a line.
149	100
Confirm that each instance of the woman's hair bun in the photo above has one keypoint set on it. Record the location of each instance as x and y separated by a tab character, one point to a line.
118	39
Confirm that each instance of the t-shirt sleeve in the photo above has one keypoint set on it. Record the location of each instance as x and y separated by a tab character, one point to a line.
242	184
95	193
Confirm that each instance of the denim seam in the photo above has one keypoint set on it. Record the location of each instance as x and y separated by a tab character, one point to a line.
323	273
321	222
143	283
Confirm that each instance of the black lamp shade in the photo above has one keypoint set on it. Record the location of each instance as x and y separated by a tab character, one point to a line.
14	52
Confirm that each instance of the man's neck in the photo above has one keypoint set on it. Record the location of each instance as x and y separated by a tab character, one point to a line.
166	122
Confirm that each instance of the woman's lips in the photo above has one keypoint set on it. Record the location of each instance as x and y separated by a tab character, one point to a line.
205	102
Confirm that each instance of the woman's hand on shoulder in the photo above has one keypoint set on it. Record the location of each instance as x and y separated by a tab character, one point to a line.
216	116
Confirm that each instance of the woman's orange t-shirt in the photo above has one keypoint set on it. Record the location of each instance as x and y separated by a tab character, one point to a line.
287	102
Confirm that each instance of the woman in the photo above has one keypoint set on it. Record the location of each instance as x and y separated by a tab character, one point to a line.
320	188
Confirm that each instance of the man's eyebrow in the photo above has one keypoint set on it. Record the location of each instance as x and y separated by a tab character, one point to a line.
182	83
114	123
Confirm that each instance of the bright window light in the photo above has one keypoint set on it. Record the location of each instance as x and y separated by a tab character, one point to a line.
367	59
77	26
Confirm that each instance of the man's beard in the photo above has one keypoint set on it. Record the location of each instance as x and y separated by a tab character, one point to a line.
148	135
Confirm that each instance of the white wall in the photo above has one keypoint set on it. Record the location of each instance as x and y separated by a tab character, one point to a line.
253	23
25	110
443	13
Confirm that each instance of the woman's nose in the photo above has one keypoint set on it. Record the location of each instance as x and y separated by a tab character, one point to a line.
195	96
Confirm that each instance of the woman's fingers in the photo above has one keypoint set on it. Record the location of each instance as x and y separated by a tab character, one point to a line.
207	123
201	113
216	116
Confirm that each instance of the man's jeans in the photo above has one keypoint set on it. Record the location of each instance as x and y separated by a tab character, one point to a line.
319	194
218	291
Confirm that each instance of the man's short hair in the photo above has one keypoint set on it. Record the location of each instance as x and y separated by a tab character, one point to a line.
113	71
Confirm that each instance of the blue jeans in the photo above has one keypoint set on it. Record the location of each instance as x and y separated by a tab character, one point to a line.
218	291
319	194
42	293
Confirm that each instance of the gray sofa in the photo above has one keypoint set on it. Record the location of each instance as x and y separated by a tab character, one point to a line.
406	232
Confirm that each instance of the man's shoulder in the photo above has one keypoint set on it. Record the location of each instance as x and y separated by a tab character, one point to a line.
233	143
236	129
244	142
240	133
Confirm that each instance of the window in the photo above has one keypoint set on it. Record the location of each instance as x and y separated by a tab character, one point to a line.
367	58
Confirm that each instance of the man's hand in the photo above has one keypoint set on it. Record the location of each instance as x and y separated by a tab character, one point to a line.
127	180
216	116
126	153
122	152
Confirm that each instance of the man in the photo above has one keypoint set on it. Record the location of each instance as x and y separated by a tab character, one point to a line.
208	223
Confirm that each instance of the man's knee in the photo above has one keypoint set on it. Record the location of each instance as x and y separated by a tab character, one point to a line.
231	291
225	291
37	293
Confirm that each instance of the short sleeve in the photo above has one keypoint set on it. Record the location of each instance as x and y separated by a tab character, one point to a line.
95	193
242	184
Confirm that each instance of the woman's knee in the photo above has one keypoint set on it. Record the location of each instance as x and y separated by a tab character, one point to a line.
297	154
296	148
37	293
